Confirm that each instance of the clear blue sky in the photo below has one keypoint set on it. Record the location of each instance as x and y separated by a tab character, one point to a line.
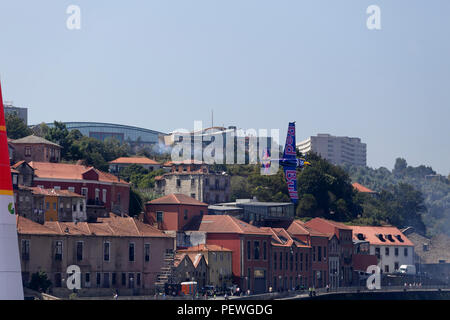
259	64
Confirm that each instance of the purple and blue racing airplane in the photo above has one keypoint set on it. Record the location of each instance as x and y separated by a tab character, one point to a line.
289	162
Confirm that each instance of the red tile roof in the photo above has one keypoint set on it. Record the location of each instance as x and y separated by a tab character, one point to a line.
177	198
134	160
227	224
204	247
371	234
26	226
113	226
328	227
68	171
171	163
56	193
361	188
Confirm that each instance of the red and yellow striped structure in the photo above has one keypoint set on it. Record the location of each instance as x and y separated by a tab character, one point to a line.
10	271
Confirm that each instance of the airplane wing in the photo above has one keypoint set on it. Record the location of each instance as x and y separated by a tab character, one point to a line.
290	173
289	147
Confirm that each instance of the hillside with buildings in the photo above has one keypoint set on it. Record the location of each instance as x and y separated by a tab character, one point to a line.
435	189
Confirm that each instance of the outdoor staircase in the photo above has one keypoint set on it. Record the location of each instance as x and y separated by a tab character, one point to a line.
166	274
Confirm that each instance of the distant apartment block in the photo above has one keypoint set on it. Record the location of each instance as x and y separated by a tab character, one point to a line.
22	113
338	150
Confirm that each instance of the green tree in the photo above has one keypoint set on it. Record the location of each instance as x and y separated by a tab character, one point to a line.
40	130
39	281
136	203
15	127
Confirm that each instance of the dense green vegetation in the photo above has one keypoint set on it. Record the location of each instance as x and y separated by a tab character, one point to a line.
434	189
15	127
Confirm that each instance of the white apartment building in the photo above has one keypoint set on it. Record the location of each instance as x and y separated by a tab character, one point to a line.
337	150
389	244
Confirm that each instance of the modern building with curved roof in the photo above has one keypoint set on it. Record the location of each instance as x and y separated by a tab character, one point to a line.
123	133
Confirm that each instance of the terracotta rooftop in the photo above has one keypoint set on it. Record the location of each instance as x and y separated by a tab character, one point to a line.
226	224
69	171
361	188
134	160
383	236
114	226
177	198
53	192
328	227
171	163
34	140
204	247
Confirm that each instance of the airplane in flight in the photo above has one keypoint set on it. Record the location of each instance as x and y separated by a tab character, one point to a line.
289	162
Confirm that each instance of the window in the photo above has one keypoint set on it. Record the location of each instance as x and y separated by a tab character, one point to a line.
185	214
301	261
131	252
286	262
306	262
124	279
99	278
71	189
106	280
104	196
79	250
178	183
274	261
325	253
159	216
27	151
118	198
193	195
291	261
106	251
138	279
130	280
58	280
256	250
319	253
386	268
87	280
97	194
386	251
296	261
314	253
58	250
377	252
84	192
147	252
396	265
192	183
114	279
265	250
26	249
396	252
248	251
57	188
405	252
